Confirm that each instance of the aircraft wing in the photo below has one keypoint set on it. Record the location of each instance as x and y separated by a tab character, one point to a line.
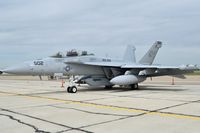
158	70
144	70
103	64
138	66
123	65
172	71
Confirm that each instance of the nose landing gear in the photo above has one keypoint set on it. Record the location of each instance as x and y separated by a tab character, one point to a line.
72	89
72	86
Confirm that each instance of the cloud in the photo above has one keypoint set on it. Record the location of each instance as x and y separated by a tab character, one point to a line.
37	28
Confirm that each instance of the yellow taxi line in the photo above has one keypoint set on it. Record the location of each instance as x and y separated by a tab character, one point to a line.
163	114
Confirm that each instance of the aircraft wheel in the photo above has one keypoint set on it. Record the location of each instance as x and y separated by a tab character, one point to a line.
68	89
73	89
108	87
134	86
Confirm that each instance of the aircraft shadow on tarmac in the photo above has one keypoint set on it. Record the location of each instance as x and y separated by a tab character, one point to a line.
115	89
141	88
160	88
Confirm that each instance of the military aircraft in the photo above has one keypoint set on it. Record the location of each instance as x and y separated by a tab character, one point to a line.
126	72
98	71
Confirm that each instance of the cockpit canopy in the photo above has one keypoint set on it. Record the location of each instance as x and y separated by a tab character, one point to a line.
71	53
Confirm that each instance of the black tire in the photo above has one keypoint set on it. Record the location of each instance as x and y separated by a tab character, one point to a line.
134	86
108	87
73	89
69	89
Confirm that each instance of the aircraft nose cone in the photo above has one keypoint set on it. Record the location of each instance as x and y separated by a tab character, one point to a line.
10	70
14	70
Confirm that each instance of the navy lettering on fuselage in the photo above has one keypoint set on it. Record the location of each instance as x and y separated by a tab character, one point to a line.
41	63
106	60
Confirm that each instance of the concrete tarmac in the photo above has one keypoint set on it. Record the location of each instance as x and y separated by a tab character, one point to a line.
29	105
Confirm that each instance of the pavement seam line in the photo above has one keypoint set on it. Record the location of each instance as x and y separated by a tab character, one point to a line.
36	118
24	123
185	116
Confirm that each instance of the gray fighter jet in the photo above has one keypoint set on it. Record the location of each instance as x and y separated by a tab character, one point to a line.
126	72
98	71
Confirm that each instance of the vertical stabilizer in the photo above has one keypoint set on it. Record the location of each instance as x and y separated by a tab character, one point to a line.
129	55
149	57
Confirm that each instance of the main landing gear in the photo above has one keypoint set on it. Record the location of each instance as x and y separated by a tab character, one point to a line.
72	89
108	86
134	86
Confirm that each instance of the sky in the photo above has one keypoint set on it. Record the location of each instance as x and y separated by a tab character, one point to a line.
31	29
